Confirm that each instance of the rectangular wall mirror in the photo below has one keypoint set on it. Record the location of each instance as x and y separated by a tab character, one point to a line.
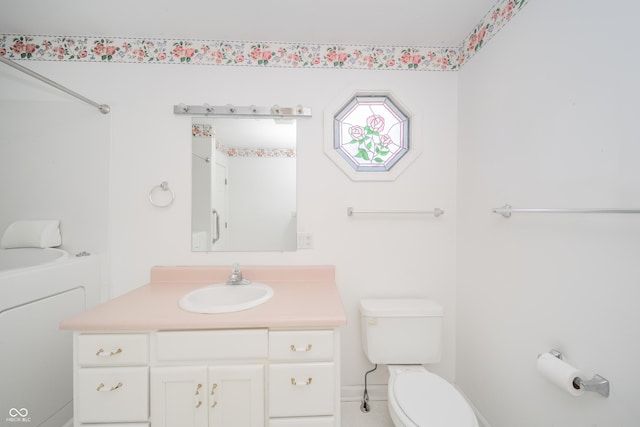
243	184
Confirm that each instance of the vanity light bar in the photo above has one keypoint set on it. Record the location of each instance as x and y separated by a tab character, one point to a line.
250	111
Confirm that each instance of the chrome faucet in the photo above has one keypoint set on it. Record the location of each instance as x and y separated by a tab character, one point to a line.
236	276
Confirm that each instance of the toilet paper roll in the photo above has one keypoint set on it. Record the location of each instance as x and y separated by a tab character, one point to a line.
559	373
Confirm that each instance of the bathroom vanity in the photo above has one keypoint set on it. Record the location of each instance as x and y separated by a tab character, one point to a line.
140	360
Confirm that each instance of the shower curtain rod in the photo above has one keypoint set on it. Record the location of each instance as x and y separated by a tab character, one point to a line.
104	108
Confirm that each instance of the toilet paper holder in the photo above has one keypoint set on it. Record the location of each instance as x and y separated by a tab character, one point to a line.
598	383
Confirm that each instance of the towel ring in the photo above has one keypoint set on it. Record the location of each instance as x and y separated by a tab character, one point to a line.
164	186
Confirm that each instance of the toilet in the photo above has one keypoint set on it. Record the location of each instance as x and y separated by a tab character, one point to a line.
404	334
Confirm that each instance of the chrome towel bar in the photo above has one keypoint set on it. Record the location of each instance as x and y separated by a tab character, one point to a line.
435	212
507	210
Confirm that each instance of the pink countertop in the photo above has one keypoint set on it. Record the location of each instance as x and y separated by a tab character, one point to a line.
304	296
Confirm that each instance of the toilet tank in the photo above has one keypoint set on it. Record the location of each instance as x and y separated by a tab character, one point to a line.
401	331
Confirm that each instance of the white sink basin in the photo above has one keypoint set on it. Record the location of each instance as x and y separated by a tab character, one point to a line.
225	298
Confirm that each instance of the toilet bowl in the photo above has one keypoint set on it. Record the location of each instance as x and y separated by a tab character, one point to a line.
419	398
404	334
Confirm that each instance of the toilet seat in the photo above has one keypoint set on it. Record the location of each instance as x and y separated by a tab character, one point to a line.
421	398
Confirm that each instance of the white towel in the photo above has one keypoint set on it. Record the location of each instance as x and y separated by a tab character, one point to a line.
32	234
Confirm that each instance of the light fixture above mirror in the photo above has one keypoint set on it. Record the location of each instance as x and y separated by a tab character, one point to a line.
230	110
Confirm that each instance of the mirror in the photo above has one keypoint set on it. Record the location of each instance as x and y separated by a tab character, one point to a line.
243	184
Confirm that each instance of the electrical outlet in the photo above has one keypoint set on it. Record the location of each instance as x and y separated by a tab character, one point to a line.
305	240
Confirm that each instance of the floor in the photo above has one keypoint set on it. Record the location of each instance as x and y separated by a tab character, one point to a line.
378	416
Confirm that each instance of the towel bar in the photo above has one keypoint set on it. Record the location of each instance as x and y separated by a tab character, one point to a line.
164	186
507	210
435	212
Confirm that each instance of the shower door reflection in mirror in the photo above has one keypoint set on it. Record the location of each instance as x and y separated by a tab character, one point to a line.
243	184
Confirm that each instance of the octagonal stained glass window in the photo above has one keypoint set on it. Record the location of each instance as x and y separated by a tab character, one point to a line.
371	133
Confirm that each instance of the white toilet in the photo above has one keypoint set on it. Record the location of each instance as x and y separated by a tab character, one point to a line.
403	334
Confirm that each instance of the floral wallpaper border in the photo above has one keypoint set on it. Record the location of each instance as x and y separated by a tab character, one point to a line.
201	130
273	153
501	13
205	131
259	54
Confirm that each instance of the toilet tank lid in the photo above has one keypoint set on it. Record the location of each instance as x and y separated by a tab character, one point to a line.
383	307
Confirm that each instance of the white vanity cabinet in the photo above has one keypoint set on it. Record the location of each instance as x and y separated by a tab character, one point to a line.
208	378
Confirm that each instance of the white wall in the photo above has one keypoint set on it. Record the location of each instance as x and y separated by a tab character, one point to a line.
548	118
376	256
262	203
54	163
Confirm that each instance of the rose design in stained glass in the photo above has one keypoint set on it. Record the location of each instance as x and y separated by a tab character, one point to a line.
371	133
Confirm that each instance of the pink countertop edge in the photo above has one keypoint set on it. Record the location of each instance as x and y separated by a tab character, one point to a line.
304	297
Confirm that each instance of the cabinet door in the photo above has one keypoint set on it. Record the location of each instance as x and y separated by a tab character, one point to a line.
236	396
179	397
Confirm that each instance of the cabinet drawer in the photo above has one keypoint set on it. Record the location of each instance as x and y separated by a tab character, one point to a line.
301	389
300	345
113	349
212	345
302	422
113	395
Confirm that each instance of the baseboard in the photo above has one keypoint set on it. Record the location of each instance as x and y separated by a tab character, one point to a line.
68	423
355	393
481	419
